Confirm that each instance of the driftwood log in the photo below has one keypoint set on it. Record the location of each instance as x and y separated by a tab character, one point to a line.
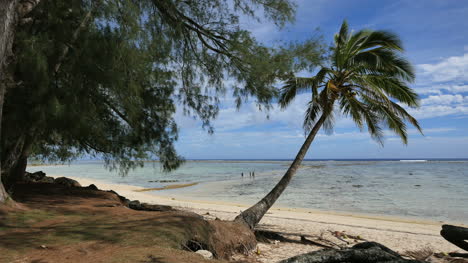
367	252
456	235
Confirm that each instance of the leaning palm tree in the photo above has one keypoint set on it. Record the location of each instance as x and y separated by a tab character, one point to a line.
365	79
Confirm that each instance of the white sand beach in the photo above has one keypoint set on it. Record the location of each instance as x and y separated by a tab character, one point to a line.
398	234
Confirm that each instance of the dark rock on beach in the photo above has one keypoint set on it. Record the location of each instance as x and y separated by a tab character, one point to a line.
370	252
67	182
93	187
37	177
136	205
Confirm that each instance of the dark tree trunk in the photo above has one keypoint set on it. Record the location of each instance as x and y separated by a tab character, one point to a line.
8	18
456	235
10	13
16	173
3	193
254	214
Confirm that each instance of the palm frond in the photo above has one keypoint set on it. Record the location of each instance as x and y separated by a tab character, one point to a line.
383	62
311	115
381	38
368	78
342	35
406	116
292	87
392	87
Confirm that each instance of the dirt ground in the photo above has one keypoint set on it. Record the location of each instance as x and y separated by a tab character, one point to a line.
53	223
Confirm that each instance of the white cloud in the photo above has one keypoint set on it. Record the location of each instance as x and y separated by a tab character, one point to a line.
449	69
444	99
433	111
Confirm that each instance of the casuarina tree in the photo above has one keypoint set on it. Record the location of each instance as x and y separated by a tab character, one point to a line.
105	78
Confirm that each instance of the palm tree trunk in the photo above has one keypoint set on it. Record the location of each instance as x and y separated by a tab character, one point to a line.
254	214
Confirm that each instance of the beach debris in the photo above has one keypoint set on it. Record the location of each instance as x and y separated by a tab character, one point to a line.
421	254
43	247
358	185
205	253
304	240
346	238
363	252
272	237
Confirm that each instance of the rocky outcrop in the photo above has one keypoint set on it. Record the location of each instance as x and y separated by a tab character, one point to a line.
136	205
37	177
40	177
92	187
67	182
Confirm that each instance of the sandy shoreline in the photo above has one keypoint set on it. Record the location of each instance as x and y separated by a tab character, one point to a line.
398	234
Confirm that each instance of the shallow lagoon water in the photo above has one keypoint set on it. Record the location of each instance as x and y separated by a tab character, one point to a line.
431	190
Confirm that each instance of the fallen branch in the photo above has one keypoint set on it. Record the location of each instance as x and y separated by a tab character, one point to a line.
363	252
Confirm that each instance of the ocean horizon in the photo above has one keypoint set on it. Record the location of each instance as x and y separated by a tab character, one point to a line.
432	189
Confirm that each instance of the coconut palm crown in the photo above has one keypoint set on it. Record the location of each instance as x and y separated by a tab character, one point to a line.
366	78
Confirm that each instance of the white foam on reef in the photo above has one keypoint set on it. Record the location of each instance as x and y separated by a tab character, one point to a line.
413	161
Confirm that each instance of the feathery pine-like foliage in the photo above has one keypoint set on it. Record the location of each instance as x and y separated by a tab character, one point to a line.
366	79
104	78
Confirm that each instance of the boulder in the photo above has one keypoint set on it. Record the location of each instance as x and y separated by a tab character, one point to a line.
205	253
136	205
92	187
47	179
124	200
67	182
34	177
150	207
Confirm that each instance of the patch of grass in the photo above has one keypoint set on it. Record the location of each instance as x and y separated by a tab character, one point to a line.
24	219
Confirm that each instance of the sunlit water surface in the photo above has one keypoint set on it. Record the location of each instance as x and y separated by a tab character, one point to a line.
432	190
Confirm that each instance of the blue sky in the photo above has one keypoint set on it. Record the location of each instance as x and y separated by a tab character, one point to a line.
435	36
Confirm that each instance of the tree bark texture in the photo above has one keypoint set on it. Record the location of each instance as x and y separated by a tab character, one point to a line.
8	18
254	214
10	13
